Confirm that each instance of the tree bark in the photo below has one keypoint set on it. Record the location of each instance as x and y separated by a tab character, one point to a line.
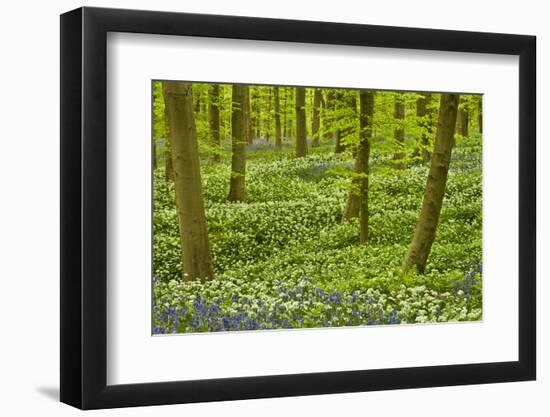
316	117
291	119
430	127
351	210
247	117
366	113
462	121
198	103
328	116
346	103
253	114
424	122
428	220
196	256
238	143
154	154
338	98
480	114
214	120
283	109
268	115
278	141
168	169
338	147
399	133
301	140
357	202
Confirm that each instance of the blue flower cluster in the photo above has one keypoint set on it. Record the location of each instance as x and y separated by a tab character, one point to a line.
302	306
474	268
317	171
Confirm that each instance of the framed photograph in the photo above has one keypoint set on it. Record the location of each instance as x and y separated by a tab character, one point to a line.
257	208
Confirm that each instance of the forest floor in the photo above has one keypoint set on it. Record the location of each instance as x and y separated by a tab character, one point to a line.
284	259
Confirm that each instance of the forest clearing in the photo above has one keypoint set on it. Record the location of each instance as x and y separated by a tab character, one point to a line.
293	207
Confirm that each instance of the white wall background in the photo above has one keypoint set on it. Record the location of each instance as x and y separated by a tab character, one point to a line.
29	225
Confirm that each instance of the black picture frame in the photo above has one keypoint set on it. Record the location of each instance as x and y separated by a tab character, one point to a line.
84	207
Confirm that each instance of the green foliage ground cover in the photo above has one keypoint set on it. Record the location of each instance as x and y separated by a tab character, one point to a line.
284	259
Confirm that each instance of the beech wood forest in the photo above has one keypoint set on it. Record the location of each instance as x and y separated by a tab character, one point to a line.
278	207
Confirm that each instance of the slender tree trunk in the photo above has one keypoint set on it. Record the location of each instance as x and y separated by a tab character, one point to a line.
344	102
366	114
223	122
238	143
198	103
338	147
399	133
154	154
328	116
301	140
254	114
248	135
338	98
278	142
357	202
283	109
424	123
196	257
351	104
316	117
268	115
430	128
462	121
229	112
480	114
291	122
214	120
352	208
426	226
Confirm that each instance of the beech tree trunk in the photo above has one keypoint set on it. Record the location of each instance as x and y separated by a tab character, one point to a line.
198	103
238	143
399	133
278	141
316	117
168	169
338	134
292	114
284	110
267	101
462	121
301	140
480	114
351	210
338	147
247	115
348	111
196	256
366	113
154	154
214	120
254	116
328	117
431	120
428	220
424	122
357	202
